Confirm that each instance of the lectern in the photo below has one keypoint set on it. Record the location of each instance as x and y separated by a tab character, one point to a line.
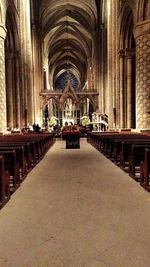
72	139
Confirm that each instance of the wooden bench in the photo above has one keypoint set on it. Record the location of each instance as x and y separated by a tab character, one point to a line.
13	167
20	157
106	142
40	143
4	184
137	155
27	151
126	150
145	170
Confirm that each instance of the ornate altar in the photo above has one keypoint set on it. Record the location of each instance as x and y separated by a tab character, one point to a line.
68	102
100	122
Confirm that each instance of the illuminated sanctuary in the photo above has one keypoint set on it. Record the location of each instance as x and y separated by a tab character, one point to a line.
69	58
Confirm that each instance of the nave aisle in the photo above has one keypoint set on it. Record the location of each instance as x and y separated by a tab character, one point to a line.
76	209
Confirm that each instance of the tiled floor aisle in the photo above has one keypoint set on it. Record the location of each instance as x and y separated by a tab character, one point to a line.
76	209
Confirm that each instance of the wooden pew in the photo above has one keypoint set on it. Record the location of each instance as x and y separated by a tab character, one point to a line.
108	140
20	157
125	151
13	167
116	142
137	155
145	170
4	184
39	143
27	151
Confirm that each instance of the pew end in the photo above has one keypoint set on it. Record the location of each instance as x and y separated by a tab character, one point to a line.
4	184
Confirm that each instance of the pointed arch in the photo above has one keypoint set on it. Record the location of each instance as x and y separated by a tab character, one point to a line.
126	28
12	28
127	68
143	10
12	68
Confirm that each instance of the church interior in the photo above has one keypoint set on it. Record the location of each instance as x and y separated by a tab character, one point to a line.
100	48
74	133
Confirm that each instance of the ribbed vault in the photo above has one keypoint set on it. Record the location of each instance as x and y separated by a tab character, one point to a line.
68	30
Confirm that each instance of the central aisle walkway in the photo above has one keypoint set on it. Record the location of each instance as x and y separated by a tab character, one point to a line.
76	209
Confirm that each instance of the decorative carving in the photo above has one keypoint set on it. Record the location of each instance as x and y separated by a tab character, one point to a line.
2	88
69	92
143	81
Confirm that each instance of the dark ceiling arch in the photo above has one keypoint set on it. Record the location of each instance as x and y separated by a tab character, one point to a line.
83	6
126	28
64	44
68	34
79	17
143	8
12	37
73	34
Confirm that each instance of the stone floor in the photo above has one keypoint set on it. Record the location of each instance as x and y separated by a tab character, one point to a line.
76	209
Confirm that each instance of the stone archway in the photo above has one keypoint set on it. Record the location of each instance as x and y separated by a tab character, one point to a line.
143	10
127	70
12	70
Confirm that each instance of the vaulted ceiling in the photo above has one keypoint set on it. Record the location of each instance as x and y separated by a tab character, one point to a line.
68	32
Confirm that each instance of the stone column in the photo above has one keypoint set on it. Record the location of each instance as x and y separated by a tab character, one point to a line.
98	63
142	36
121	80
84	106
9	85
2	81
87	104
17	100
129	54
109	87
110	95
114	49
89	74
102	69
44	80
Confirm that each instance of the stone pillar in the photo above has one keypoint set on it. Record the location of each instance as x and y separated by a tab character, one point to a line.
98	63
109	87
114	49
102	69
121	80
44	79
88	103
17	100
26	63
129	54
142	37
29	65
2	81
9	85
84	106
110	95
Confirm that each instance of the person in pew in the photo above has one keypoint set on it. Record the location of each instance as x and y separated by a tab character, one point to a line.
34	126
37	128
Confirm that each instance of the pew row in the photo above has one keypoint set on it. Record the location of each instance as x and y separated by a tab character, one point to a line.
4	184
145	170
126	150
19	153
